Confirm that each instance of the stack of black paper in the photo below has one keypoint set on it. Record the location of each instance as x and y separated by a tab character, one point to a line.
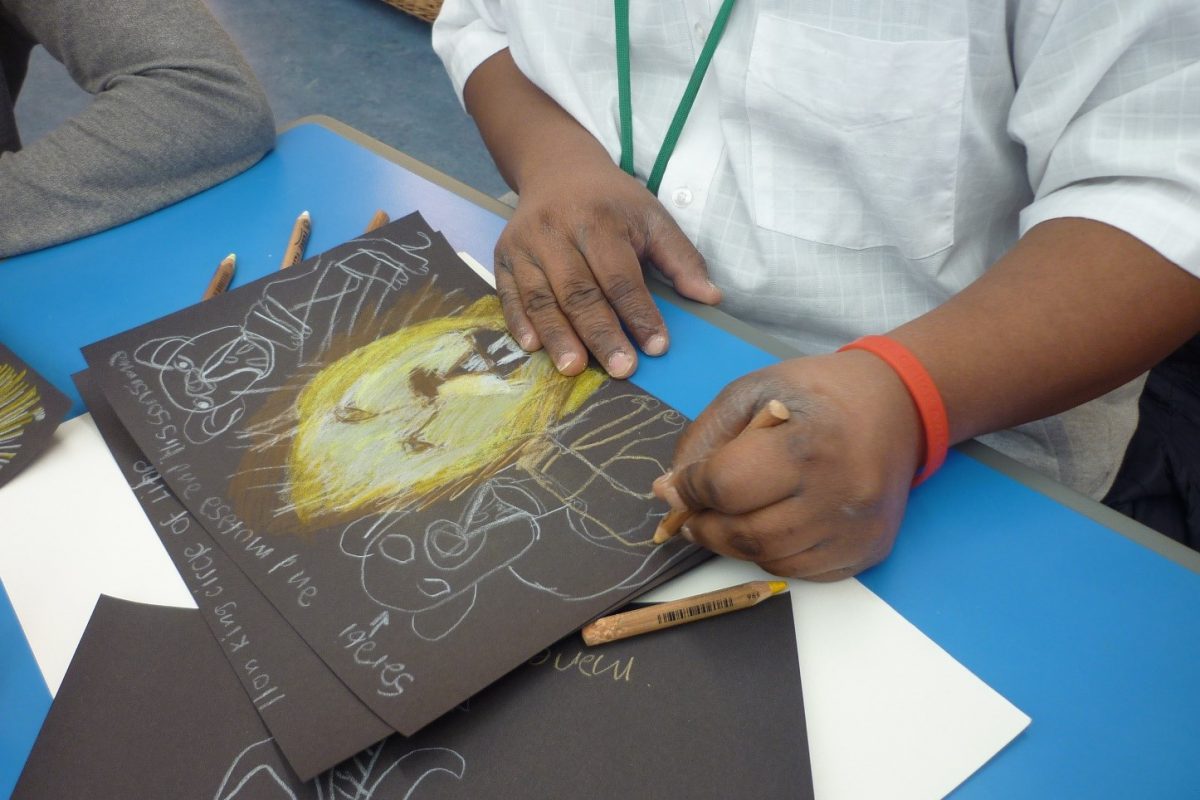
382	506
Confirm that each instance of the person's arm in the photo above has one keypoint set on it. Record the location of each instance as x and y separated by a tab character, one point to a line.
1075	309
1102	284
176	110
1078	307
569	263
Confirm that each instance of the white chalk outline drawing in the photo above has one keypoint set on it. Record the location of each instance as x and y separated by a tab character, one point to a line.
357	778
509	514
206	376
243	777
360	777
520	503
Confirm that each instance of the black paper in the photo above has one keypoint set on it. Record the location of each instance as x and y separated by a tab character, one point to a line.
712	709
425	504
315	720
30	411
148	709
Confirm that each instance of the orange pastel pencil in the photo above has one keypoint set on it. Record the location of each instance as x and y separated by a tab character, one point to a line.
689	609
378	221
221	278
295	249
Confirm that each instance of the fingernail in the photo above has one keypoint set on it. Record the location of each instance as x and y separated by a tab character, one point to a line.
525	339
662	479
686	533
671	495
656	345
619	364
565	361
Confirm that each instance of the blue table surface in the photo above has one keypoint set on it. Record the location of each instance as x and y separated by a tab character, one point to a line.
1089	633
24	699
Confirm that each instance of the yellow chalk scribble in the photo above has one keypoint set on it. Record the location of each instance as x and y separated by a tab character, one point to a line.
20	406
413	416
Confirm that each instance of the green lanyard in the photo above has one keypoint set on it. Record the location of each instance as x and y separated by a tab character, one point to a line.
625	103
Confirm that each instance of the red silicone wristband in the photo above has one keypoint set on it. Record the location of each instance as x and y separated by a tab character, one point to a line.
924	393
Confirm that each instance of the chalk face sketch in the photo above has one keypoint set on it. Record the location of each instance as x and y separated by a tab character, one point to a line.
414	415
396	432
30	410
451	408
377	773
407	486
207	375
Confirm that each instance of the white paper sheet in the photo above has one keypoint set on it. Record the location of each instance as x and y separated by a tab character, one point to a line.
70	529
889	713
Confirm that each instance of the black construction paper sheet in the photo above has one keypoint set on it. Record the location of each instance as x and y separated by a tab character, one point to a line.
425	503
315	720
30	411
712	709
150	709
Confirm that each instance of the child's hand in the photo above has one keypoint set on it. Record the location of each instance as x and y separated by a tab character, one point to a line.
569	267
819	496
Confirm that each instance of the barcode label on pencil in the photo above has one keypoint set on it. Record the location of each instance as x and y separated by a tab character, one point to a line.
698	610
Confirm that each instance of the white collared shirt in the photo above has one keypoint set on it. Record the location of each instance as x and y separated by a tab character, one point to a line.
849	166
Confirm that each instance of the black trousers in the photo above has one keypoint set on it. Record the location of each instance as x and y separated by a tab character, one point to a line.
1158	483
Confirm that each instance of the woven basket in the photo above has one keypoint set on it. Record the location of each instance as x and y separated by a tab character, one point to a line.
424	9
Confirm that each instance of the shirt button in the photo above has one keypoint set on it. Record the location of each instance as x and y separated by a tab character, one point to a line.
682	197
700	32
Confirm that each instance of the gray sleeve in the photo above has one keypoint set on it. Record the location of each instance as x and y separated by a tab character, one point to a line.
176	109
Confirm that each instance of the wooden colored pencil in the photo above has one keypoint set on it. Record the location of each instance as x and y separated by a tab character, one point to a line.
689	609
221	278
378	221
295	249
768	416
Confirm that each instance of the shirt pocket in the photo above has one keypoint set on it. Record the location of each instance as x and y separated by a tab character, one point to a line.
853	141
